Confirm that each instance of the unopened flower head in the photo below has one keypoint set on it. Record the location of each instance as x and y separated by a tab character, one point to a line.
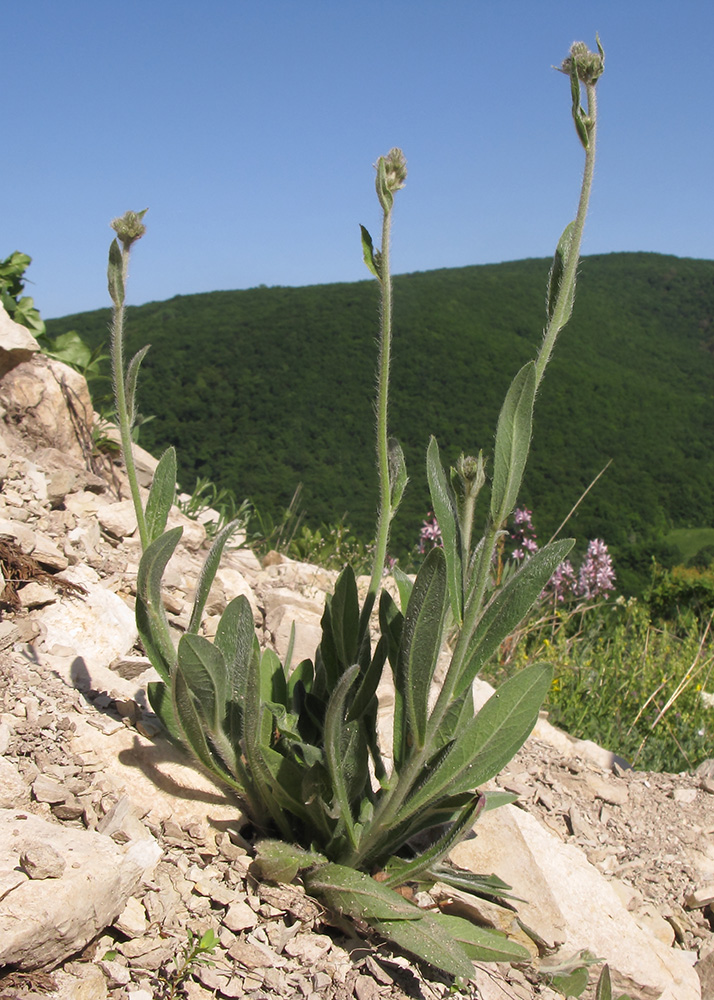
590	65
129	227
391	176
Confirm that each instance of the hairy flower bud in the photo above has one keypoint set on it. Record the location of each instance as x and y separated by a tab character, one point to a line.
391	176
589	65
129	227
468	475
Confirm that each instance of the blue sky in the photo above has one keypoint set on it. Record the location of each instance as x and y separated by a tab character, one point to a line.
249	129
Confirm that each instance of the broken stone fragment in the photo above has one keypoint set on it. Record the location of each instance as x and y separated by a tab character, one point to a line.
42	861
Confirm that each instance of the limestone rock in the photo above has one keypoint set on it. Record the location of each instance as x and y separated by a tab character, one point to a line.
44	921
51	404
16	343
568	901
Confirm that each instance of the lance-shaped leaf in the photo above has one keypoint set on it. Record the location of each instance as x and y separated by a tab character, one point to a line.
194	732
337	748
487	886
132	374
398	477
236	639
115	279
509	607
161	495
555	277
369	682
444	504
421	642
513	439
401	871
489	741
482	944
151	618
349	891
208	573
344	617
159	696
371	256
430	940
204	670
404	585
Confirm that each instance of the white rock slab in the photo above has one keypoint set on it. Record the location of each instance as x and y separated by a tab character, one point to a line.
569	899
44	921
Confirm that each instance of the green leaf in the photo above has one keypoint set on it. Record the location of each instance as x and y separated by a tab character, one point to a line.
444	504
486	886
115	277
68	347
161	495
369	682
159	697
509	607
132	374
557	270
489	741
513	438
368	252
344	617
482	944
572	984
430	940
404	586
421	643
349	891
336	739
151	618
204	670
208	573
235	638
604	985
192	725
398	477
410	871
280	862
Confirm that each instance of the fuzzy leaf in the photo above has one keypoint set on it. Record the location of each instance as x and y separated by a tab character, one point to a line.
571	984
369	682
404	586
115	279
369	253
482	944
444	504
338	749
421	642
159	697
280	862
398	477
513	439
509	607
204	670
410	871
430	940
132	374
208	573
344	617
489	741
557	270
349	891
488	886
161	495
151	618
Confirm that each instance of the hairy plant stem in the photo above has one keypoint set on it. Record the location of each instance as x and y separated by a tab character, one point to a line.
563	305
117	352
388	809
385	343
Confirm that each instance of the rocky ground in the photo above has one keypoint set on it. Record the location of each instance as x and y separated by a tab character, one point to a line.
112	849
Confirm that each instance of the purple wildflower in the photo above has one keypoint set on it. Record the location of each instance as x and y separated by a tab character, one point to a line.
597	575
430	534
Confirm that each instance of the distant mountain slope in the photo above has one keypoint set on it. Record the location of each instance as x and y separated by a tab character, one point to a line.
265	388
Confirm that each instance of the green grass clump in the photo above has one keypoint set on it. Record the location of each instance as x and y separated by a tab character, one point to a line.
626	680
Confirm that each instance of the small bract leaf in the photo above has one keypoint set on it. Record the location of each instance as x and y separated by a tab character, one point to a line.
161	495
513	439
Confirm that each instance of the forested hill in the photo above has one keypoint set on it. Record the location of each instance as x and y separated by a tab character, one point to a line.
266	388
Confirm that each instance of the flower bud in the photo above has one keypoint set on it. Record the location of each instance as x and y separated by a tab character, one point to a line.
129	228
391	175
589	65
